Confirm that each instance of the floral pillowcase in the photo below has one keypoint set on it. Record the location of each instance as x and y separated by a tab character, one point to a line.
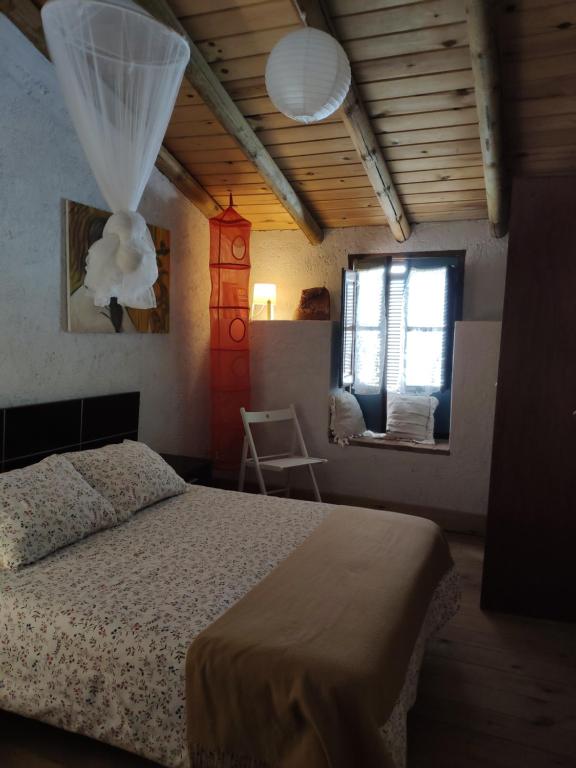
44	507
129	474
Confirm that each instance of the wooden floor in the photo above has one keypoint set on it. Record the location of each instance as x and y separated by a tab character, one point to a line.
496	691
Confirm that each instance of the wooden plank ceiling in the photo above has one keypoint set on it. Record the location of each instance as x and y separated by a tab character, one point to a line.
411	62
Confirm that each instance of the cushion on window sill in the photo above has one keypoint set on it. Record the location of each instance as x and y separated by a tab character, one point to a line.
411	417
346	419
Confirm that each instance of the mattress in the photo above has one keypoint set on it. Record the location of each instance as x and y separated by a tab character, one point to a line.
93	638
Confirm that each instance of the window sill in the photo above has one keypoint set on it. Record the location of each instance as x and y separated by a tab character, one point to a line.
441	448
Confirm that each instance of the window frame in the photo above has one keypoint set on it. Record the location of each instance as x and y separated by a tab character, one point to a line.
456	305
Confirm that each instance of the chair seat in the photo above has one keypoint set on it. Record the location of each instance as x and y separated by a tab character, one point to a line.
279	465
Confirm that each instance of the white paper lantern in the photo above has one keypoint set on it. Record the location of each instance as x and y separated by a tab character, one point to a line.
120	71
307	75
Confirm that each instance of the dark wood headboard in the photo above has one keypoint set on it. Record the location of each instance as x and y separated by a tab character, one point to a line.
28	433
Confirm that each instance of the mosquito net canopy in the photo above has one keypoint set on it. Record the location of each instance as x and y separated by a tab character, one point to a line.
120	71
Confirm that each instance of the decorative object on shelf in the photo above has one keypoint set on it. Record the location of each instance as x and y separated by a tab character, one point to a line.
120	71
307	75
229	341
263	301
314	305
84	226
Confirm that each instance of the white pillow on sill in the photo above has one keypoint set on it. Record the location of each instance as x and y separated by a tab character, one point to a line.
346	418
411	417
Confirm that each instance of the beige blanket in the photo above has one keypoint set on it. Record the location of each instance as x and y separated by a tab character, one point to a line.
302	671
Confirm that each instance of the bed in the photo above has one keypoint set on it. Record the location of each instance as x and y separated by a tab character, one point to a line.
94	636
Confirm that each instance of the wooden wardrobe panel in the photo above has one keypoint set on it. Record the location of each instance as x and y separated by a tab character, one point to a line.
530	564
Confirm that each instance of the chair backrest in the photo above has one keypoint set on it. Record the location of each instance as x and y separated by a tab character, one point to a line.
263	417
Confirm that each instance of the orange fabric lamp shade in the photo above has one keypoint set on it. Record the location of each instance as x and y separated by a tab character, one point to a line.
229	341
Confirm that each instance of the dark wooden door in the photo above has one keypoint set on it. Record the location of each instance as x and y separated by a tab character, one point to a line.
530	563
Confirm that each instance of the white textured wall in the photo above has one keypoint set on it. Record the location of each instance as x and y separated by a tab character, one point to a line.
288	259
41	163
291	362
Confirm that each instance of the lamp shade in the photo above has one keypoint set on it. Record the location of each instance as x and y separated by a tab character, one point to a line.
263	301
229	337
307	75
264	293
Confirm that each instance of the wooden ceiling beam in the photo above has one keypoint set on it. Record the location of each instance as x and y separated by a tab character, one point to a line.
187	184
26	16
359	127
200	75
482	38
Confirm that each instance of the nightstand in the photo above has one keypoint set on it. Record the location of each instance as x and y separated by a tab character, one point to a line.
193	469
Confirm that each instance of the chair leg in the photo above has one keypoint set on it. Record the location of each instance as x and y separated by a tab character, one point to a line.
260	477
242	475
314	483
287	483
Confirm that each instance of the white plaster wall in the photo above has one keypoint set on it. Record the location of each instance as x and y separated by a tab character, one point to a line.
291	362
41	163
287	259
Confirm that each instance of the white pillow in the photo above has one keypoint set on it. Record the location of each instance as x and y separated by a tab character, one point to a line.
411	417
44	507
130	475
346	418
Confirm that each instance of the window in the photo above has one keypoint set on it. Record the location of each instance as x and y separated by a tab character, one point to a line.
398	315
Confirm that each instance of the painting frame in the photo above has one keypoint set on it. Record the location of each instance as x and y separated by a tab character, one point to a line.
83	226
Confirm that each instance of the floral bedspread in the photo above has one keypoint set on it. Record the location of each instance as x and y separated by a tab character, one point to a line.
93	638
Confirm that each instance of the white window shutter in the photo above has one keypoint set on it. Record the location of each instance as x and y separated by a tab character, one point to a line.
348	325
370	341
396	332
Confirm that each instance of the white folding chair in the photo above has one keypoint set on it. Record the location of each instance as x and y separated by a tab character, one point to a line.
278	462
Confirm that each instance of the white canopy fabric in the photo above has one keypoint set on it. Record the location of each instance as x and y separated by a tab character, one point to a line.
120	71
